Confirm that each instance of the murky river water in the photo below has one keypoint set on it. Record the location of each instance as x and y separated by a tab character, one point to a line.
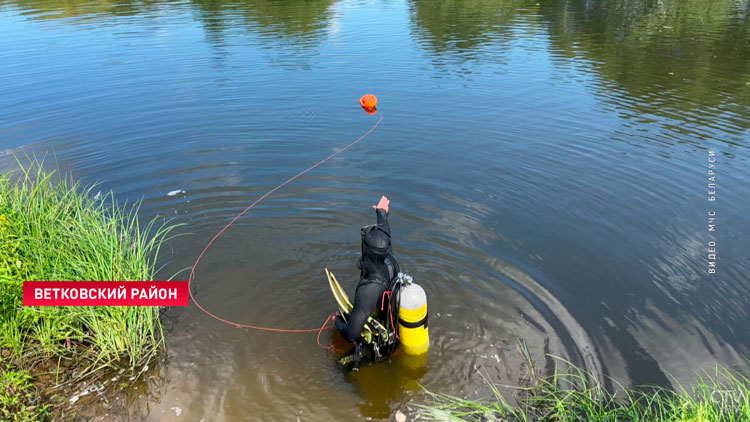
547	163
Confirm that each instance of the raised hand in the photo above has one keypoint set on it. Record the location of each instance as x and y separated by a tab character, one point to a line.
383	204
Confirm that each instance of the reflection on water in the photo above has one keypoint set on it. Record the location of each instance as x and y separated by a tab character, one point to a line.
382	388
461	28
300	22
546	162
44	9
682	61
686	62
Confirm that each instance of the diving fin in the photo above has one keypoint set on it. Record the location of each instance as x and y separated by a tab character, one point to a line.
345	307
342	300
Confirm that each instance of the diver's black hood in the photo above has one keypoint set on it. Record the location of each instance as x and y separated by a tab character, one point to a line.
375	240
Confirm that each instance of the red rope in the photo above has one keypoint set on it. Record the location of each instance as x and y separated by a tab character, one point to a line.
257	201
322	328
382	299
390	310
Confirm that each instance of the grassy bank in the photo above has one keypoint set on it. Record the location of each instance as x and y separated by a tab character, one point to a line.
570	395
19	397
54	229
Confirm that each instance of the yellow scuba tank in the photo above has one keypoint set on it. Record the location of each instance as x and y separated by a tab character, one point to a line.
412	318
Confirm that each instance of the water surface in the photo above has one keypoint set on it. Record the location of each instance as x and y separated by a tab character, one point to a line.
547	164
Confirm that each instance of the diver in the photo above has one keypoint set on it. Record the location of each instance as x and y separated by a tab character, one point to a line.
378	269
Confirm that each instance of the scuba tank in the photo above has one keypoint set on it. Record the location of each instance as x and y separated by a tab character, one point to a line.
412	317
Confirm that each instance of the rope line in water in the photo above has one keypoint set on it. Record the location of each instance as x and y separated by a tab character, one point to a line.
257	201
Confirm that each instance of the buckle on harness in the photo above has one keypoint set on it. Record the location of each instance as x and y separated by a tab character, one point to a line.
357	356
376	352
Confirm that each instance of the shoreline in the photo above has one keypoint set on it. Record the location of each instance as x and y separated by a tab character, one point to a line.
52	228
570	394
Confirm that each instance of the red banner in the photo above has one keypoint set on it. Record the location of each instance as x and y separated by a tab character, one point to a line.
105	293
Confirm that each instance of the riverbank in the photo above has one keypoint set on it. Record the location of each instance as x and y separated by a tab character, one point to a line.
52	228
570	394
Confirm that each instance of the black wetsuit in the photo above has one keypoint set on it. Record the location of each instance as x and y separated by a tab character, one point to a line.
377	269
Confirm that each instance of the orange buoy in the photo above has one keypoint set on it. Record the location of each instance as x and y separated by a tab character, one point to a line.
368	102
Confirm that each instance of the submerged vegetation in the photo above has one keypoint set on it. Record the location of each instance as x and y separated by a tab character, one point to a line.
570	394
54	229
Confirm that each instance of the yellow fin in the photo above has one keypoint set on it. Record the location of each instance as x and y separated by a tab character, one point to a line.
345	306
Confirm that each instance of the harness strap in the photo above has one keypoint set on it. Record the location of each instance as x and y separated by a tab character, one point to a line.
376	281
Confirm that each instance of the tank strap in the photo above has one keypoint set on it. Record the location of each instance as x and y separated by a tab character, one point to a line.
417	324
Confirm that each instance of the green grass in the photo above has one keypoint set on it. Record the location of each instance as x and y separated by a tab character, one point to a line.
572	395
54	229
19	400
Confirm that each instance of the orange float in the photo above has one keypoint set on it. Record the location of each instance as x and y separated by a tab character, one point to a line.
368	102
